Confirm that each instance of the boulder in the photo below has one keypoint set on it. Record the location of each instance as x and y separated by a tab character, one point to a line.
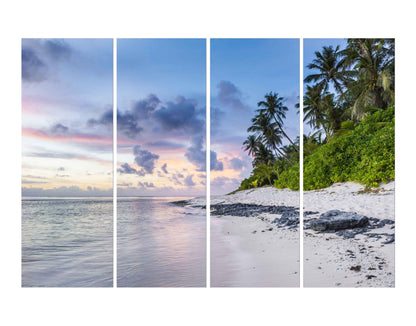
338	220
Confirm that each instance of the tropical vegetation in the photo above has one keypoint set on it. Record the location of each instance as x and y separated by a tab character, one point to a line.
348	105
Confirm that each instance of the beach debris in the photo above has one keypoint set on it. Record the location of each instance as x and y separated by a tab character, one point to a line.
369	277
355	268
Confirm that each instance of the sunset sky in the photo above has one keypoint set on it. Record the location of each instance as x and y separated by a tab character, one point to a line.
161	117
66	85
67	112
242	72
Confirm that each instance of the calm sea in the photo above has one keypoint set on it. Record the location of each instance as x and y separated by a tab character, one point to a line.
160	244
67	242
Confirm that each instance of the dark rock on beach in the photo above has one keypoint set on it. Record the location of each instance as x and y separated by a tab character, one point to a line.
180	202
338	220
250	209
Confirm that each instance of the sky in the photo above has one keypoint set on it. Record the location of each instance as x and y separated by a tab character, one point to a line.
243	71
310	46
66	85
161	117
67	112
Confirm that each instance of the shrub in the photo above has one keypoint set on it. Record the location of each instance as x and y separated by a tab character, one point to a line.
364	155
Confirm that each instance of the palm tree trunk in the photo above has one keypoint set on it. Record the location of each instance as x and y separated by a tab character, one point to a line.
284	134
283	155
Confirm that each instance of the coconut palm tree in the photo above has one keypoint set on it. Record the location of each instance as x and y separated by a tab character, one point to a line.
267	132
251	145
273	107
263	156
321	111
373	63
313	107
330	64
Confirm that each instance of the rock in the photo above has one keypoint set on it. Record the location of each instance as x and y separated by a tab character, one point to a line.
355	268
180	202
251	210
338	220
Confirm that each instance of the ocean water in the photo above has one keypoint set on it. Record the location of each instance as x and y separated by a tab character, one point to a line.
160	244
67	242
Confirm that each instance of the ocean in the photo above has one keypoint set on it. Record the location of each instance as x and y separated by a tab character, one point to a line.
67	242
160	244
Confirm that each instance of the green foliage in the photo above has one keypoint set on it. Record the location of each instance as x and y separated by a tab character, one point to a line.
347	125
364	155
288	178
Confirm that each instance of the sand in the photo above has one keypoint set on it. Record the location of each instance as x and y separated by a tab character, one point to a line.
244	256
328	259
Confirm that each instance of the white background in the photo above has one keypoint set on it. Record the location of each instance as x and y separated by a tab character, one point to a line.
208	19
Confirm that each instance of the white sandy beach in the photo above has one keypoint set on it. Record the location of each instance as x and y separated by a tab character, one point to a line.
328	258
245	252
243	255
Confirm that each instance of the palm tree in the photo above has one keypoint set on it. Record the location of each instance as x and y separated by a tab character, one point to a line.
330	65
373	63
321	111
251	145
313	107
311	142
263	156
273	107
267	132
264	172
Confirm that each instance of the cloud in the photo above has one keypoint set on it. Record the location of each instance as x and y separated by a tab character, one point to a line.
127	123
127	169
33	177
57	49
24	181
145	159
222	181
146	184
216	165
217	116
229	95
33	68
175	179
180	115
143	109
59	129
197	156
164	168
188	181
236	164
73	191
38	55
57	155
124	184
165	144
